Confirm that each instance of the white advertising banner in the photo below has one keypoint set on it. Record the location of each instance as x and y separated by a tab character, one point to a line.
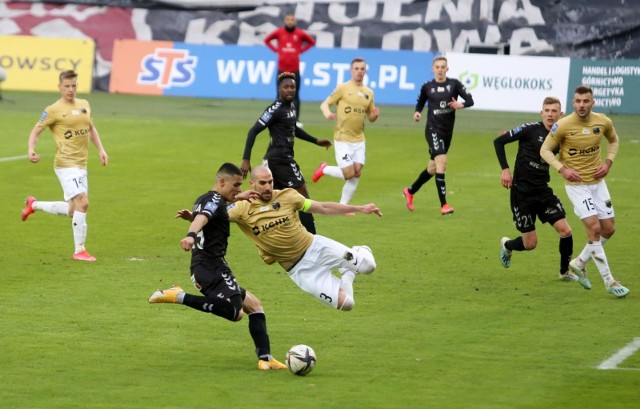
511	83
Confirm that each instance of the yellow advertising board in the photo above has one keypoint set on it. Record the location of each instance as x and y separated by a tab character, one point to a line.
33	63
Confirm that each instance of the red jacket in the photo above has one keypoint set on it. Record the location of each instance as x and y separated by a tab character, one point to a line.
289	47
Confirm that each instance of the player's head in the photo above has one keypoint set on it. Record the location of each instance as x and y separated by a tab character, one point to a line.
68	84
290	21
287	86
551	111
262	182
228	181
440	67
583	101
358	69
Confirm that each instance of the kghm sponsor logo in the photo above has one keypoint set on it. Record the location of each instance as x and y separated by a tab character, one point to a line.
585	151
267	227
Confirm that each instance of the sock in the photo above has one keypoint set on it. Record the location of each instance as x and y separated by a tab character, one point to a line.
79	226
566	251
215	306
442	188
422	179
516	244
584	257
349	189
603	240
57	208
307	221
258	331
600	258
333	171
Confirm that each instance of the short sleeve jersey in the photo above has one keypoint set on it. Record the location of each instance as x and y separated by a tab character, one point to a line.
531	173
353	104
437	96
274	226
70	124
213	238
280	118
579	142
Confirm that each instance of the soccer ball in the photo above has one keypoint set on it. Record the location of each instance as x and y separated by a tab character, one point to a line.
301	359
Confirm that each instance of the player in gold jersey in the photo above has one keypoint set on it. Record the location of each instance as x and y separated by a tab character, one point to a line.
69	119
354	102
578	136
272	223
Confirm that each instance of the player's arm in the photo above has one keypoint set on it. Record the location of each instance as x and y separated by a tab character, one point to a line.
612	150
95	138
302	134
465	95
324	107
268	40
306	42
33	140
373	113
258	127
498	145
420	103
334	208
194	228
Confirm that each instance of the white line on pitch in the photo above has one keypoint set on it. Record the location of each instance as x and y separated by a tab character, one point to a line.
621	355
12	158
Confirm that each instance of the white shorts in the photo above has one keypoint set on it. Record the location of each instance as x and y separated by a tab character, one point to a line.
313	273
591	200
348	153
74	181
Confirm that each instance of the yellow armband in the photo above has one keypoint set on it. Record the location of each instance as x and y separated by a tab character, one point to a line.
307	205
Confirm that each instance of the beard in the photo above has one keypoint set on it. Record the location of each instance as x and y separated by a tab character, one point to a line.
290	29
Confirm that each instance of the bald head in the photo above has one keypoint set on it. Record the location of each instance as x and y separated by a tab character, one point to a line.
262	182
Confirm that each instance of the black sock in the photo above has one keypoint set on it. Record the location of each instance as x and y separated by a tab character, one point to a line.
566	251
442	188
307	221
515	245
258	331
422	179
221	308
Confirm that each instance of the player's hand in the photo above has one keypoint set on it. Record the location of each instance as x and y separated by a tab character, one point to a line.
330	117
187	243
184	214
506	179
247	195
104	158
455	104
324	142
417	116
602	171
245	168
34	157
370	208
570	175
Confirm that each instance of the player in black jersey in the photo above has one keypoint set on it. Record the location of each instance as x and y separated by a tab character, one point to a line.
531	196
207	240
280	118
441	96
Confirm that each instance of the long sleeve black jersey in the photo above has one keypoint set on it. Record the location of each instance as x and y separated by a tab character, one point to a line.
212	241
280	118
437	96
530	173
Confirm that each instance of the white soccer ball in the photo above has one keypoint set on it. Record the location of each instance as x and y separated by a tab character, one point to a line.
301	359
3	74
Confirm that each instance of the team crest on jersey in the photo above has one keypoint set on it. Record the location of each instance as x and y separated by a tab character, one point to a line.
596	130
276	205
554	127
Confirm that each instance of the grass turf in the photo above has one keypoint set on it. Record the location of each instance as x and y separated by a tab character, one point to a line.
440	324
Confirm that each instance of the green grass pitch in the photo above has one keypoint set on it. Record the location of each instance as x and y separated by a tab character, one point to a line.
440	324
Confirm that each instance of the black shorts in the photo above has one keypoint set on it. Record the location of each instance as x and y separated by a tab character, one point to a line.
439	142
215	279
526	207
285	173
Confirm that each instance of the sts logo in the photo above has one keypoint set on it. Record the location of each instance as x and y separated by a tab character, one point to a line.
168	67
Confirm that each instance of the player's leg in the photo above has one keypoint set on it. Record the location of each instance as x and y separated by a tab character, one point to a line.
343	160
353	172
32	204
252	306
565	247
524	218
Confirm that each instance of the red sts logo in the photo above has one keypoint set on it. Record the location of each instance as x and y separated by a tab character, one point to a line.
168	67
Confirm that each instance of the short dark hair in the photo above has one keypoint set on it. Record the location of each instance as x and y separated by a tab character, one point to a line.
358	59
551	100
583	89
228	169
67	75
283	76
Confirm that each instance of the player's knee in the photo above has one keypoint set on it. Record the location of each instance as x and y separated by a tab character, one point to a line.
347	303
530	243
366	263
